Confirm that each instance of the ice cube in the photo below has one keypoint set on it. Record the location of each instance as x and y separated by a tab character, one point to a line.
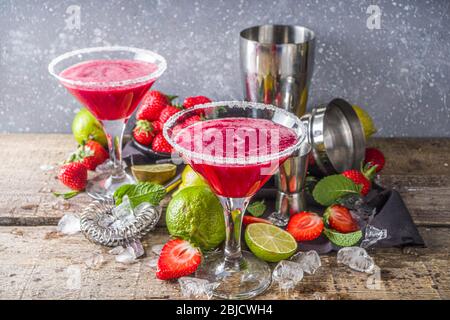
95	261
372	235
69	224
46	167
153	262
106	220
309	261
123	213
196	288
356	258
287	274
130	254
116	250
157	248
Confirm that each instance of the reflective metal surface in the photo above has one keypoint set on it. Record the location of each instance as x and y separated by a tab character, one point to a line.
336	136
277	65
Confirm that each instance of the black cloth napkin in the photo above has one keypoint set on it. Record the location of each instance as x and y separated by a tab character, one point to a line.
391	212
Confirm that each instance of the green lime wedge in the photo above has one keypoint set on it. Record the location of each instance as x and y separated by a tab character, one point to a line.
157	173
343	239
269	243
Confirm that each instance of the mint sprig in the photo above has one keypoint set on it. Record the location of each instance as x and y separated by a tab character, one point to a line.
257	208
140	192
328	190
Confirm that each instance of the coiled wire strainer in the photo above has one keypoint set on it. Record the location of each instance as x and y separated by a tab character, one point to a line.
97	223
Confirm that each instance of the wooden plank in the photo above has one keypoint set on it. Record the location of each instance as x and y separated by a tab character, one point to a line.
37	264
416	167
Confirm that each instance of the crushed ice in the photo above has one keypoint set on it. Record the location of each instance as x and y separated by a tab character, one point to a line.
131	253
372	235
69	224
196	288
308	261
287	274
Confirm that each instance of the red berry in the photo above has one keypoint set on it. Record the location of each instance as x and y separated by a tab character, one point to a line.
152	105
167	112
358	178
177	259
340	219
90	155
143	132
160	144
157	126
374	157
249	220
190	102
305	226
73	175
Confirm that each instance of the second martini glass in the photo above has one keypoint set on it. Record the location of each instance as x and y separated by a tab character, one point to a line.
110	82
237	147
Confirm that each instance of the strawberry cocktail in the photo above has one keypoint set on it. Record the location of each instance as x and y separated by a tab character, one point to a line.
236	148
110	82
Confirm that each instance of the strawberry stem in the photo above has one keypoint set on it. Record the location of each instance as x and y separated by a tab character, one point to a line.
170	97
66	195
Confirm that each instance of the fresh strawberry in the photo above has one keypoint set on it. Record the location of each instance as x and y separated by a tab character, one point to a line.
190	102
358	178
250	219
73	175
304	226
160	144
191	120
143	132
90	155
177	259
374	158
157	126
340	219
167	112
152	105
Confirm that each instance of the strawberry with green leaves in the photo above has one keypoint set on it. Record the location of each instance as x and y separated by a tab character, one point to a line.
91	154
143	132
178	258
374	158
360	179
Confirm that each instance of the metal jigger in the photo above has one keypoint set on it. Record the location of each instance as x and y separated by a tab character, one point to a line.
277	65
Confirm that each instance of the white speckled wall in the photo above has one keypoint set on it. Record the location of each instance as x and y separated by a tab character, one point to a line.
399	72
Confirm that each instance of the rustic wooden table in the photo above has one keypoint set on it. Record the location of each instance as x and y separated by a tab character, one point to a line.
38	263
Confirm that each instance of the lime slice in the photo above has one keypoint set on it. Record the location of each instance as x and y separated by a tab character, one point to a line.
343	239
269	242
157	173
366	121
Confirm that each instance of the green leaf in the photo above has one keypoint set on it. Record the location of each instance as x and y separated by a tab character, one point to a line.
140	192
328	190
66	195
257	208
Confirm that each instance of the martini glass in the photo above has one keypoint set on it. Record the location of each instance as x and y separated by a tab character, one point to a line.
110	82
236	148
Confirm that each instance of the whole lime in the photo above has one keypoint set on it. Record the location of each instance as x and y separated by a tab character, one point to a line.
196	215
85	127
190	178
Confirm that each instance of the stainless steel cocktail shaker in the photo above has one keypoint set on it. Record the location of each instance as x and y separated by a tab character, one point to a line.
277	65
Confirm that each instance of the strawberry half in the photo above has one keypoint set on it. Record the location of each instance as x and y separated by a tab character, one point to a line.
340	219
374	158
358	178
178	258
249	220
305	226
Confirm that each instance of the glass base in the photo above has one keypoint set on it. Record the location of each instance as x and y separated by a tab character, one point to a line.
250	278
103	185
278	219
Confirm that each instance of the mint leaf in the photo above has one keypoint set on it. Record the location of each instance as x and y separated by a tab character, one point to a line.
328	190
140	192
257	208
343	239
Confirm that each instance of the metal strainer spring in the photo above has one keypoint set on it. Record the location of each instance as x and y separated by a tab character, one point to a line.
97	223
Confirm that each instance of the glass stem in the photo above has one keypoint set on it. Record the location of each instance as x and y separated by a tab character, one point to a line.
114	130
234	209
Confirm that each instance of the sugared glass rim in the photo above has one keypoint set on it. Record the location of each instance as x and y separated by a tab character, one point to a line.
160	63
235	161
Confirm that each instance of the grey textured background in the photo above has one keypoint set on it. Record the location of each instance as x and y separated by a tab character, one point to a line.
399	73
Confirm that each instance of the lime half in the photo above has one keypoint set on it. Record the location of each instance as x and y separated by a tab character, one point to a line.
269	242
157	173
